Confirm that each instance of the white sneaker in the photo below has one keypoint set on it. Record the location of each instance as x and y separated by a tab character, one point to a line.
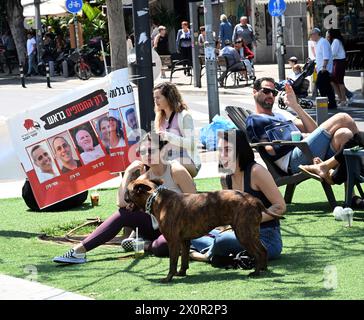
71	257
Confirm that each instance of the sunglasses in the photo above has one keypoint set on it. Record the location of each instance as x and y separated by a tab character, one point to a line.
268	91
44	155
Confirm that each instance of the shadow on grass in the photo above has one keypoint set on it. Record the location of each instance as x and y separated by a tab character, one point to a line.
17	234
83	207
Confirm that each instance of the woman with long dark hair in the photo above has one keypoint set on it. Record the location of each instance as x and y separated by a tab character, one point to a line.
244	174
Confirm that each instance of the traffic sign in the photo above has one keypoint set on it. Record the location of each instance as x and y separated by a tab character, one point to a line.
73	6
276	7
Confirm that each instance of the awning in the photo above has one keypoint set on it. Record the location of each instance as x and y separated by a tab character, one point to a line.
47	7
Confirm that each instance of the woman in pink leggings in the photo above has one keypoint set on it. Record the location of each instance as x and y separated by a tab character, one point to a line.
151	166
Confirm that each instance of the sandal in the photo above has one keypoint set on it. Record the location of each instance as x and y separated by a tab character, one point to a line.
357	203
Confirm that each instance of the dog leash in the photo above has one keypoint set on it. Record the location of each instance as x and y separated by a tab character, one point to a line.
149	204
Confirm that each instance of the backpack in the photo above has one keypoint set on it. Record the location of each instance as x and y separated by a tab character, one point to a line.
64	205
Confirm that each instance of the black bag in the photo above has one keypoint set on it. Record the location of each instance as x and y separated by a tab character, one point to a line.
241	261
64	205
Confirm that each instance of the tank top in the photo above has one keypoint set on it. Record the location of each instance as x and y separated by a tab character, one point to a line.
172	126
258	194
162	46
168	181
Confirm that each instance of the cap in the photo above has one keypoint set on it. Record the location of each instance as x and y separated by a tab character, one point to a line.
227	42
114	113
293	59
315	30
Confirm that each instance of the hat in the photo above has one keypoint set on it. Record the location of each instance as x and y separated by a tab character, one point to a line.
315	30
114	113
161	28
227	42
293	59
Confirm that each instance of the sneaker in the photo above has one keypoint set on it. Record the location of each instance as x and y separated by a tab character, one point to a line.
127	244
71	257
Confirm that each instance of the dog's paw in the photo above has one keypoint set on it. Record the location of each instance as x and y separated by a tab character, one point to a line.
256	273
165	280
181	273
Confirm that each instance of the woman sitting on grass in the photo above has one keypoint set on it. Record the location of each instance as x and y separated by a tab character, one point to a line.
151	166
237	158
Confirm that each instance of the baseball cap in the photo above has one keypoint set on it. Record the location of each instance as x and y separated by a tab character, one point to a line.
315	30
114	113
293	59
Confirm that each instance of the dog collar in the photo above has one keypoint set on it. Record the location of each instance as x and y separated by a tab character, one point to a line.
149	204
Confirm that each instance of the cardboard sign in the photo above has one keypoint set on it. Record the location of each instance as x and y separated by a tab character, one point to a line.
73	142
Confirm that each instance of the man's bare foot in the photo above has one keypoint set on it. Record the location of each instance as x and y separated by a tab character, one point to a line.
320	171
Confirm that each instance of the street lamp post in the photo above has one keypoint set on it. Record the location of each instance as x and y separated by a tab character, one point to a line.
210	61
38	27
143	51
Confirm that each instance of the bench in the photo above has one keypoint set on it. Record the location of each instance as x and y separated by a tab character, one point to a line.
173	63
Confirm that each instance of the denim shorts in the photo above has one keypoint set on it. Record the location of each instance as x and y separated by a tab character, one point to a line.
226	243
319	142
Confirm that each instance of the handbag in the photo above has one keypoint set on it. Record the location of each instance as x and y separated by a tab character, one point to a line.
280	130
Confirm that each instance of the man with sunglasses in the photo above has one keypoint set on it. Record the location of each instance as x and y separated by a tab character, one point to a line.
43	161
324	140
63	152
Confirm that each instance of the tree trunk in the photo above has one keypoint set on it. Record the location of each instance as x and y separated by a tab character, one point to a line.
15	18
117	34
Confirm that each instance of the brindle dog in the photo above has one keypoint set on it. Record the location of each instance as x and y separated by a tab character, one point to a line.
182	217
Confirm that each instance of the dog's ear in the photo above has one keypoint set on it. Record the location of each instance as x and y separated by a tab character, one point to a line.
141	188
158	182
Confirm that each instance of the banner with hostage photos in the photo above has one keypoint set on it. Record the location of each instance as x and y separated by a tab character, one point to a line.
77	140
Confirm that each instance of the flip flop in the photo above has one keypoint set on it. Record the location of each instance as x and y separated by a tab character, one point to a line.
309	173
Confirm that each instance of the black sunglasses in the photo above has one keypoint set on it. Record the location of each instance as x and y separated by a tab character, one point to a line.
267	91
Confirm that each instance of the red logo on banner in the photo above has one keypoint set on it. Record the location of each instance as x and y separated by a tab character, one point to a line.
29	124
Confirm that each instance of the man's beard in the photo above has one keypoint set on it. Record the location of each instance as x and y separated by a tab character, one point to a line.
264	104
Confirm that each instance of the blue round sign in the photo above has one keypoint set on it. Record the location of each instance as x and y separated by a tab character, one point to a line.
73	6
276	7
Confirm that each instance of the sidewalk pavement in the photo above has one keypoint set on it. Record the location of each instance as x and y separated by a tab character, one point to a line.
20	289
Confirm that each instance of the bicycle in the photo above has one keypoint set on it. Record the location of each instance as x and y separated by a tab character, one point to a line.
82	69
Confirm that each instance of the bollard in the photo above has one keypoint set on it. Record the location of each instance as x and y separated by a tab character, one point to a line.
48	77
51	68
321	110
22	79
362	82
65	68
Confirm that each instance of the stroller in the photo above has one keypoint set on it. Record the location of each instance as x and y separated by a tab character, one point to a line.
300	87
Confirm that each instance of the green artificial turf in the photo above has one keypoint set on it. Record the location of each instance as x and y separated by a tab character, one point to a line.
313	244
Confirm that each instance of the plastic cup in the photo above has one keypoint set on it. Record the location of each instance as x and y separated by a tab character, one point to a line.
95	198
296	135
138	246
347	215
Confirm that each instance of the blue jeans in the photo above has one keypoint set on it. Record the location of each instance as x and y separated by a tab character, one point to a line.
226	243
31	63
319	142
